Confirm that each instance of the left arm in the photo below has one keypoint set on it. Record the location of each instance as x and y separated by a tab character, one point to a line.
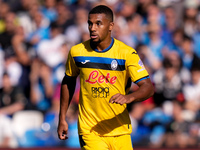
144	91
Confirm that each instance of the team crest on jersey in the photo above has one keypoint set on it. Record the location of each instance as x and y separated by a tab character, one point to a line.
114	65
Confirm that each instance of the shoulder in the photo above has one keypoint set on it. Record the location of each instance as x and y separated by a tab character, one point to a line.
80	48
124	48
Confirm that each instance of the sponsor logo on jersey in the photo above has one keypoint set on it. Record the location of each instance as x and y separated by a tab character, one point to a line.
114	65
96	77
140	69
84	62
100	92
140	63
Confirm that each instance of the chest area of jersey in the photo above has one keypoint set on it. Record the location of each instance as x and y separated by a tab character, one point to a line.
100	74
100	70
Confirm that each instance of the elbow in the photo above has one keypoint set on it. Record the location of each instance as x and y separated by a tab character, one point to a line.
151	92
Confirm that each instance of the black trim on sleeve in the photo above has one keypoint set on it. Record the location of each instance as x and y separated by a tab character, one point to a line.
146	77
68	79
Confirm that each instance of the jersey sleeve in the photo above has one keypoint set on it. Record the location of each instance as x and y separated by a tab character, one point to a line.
71	69
135	67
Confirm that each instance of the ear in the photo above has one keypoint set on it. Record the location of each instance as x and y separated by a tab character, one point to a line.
111	26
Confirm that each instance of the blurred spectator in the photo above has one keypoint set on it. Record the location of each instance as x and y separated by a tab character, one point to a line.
20	47
135	29
74	32
14	69
170	24
157	121
126	8
151	62
12	98
6	36
40	26
192	90
53	51
65	17
24	54
3	12
140	132
7	138
142	8
23	13
154	15
189	57
154	40
168	82
177	62
10	64
190	15
2	65
175	43
196	37
77	4
177	131
49	9
41	89
121	30
127	23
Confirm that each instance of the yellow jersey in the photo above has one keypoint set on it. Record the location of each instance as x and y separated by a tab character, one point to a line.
102	75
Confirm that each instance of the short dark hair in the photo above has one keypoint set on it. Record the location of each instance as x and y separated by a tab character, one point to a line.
102	9
54	25
167	63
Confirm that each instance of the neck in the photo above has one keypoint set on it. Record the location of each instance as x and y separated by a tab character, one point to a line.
102	45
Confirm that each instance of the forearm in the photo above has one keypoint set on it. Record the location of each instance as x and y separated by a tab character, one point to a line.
144	91
64	101
67	91
64	104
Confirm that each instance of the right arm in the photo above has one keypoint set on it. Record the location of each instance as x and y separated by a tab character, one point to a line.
66	94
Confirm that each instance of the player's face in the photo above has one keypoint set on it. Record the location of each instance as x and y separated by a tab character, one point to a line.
99	27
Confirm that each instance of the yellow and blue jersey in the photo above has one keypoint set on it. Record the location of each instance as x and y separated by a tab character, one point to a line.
102	75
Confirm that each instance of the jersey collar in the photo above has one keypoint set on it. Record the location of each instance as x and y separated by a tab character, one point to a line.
105	50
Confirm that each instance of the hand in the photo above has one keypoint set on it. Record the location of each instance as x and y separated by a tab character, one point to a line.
62	130
119	99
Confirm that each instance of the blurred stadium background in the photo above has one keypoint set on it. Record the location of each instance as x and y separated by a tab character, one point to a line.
35	38
80	149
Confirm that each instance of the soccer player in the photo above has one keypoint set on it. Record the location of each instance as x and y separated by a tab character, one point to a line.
106	67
